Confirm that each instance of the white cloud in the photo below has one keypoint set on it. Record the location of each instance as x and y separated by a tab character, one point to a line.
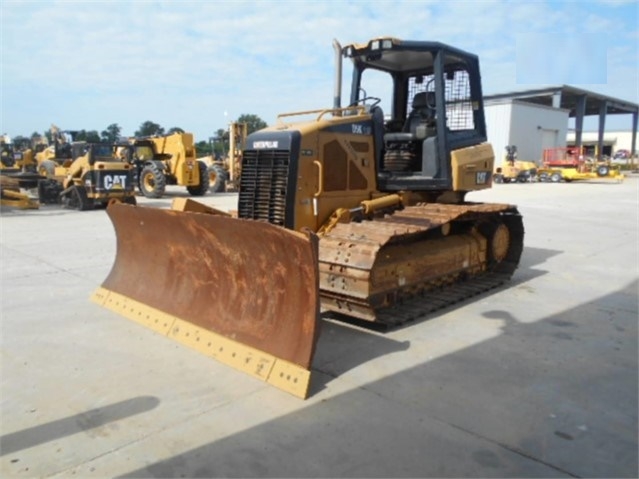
89	64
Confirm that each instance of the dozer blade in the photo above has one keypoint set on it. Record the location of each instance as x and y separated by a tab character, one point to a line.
243	292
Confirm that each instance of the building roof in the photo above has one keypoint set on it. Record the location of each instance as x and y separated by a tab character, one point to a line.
569	98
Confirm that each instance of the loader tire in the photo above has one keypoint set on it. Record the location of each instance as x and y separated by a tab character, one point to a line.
603	170
203	187
152	182
217	178
47	168
8	161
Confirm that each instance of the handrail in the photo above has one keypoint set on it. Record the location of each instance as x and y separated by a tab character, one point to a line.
359	108
320	179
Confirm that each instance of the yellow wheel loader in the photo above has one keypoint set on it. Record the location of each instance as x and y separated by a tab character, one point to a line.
167	160
347	210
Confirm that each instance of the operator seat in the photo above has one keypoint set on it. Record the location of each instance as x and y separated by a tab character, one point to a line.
414	148
420	121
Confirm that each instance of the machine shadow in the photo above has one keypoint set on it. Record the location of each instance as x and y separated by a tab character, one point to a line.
95	418
342	335
539	399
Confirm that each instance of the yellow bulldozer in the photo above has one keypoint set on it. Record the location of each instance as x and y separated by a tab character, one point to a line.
345	211
166	160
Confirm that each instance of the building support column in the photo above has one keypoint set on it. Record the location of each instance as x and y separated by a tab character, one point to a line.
633	142
602	127
580	112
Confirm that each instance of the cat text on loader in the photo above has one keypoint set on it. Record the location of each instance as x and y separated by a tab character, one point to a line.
364	216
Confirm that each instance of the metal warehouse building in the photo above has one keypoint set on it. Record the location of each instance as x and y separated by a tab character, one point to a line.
534	120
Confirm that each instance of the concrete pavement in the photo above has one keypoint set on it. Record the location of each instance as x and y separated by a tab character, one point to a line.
537	379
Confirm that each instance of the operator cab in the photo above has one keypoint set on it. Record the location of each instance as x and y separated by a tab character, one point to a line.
433	92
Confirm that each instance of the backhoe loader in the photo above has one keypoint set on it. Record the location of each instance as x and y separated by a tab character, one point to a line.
345	210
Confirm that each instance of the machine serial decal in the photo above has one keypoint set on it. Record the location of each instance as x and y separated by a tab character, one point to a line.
259	145
359	129
482	177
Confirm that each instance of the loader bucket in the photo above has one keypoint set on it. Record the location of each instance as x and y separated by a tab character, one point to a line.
243	292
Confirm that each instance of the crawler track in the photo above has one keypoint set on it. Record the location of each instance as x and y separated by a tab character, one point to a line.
426	257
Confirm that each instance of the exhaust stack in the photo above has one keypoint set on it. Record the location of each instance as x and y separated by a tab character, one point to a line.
337	93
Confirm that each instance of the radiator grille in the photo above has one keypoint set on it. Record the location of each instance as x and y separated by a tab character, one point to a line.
263	185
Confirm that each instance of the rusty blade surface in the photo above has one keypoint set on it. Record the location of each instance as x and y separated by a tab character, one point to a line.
249	281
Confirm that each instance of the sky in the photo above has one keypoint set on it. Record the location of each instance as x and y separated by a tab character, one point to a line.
198	65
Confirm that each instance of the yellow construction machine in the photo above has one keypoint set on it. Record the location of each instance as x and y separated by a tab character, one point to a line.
16	156
224	173
342	209
514	170
19	173
12	196
167	160
96	177
54	160
85	174
570	164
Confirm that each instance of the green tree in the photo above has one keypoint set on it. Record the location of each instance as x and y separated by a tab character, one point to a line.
111	134
148	128
93	136
175	129
220	142
90	136
253	122
203	148
80	135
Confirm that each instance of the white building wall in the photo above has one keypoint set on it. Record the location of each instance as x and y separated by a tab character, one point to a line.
618	140
498	128
535	128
